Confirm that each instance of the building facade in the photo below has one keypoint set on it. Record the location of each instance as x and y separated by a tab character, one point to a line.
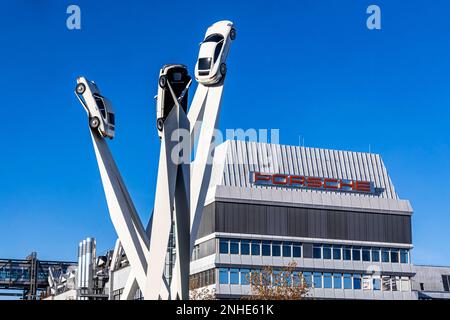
336	214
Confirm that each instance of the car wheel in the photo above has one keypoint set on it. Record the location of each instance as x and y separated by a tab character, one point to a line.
94	122
80	88
233	34
223	69
159	124
163	81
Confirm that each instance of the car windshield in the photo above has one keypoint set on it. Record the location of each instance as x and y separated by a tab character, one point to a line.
204	63
213	38
101	105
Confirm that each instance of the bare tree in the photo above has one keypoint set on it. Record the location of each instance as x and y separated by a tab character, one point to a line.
282	284
197	293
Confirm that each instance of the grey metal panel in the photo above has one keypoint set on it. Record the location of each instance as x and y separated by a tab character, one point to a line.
303	222
307	250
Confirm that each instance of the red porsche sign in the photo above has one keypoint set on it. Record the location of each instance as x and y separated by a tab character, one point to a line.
296	181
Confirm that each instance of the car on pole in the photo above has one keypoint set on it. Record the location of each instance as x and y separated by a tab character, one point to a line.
211	65
173	84
99	109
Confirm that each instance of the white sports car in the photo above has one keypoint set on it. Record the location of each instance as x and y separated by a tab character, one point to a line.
176	76
99	109
211	65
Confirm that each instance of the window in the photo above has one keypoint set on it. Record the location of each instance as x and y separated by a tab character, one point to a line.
446	282
317	280
376	284
245	247
297	250
367	282
266	248
385	255
337	280
394	255
234	246
256	248
347	253
234	276
375	254
307	277
395	283
406	285
365	254
337	253
287	249
215	37
327	281
276	278
404	256
356	254
297	278
276	249
223	246
347	281
386	283
421	286
326	252
204	63
245	276
217	51
317	251
223	276
287	279
357	282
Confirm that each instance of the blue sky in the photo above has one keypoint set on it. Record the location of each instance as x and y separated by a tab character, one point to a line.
310	68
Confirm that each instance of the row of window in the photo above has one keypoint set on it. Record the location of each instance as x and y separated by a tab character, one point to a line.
202	279
326	280
320	251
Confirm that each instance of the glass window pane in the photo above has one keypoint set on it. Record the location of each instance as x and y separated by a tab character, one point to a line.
395	283
406	285
223	246
347	253
367	282
394	256
317	280
404	256
337	280
296	250
256	248
297	278
356	254
376	284
245	276
266	248
386	283
366	254
347	281
326	252
317	251
223	276
327	282
375	254
356	281
287	249
307	277
234	276
337	253
385	255
276	249
245	247
234	246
